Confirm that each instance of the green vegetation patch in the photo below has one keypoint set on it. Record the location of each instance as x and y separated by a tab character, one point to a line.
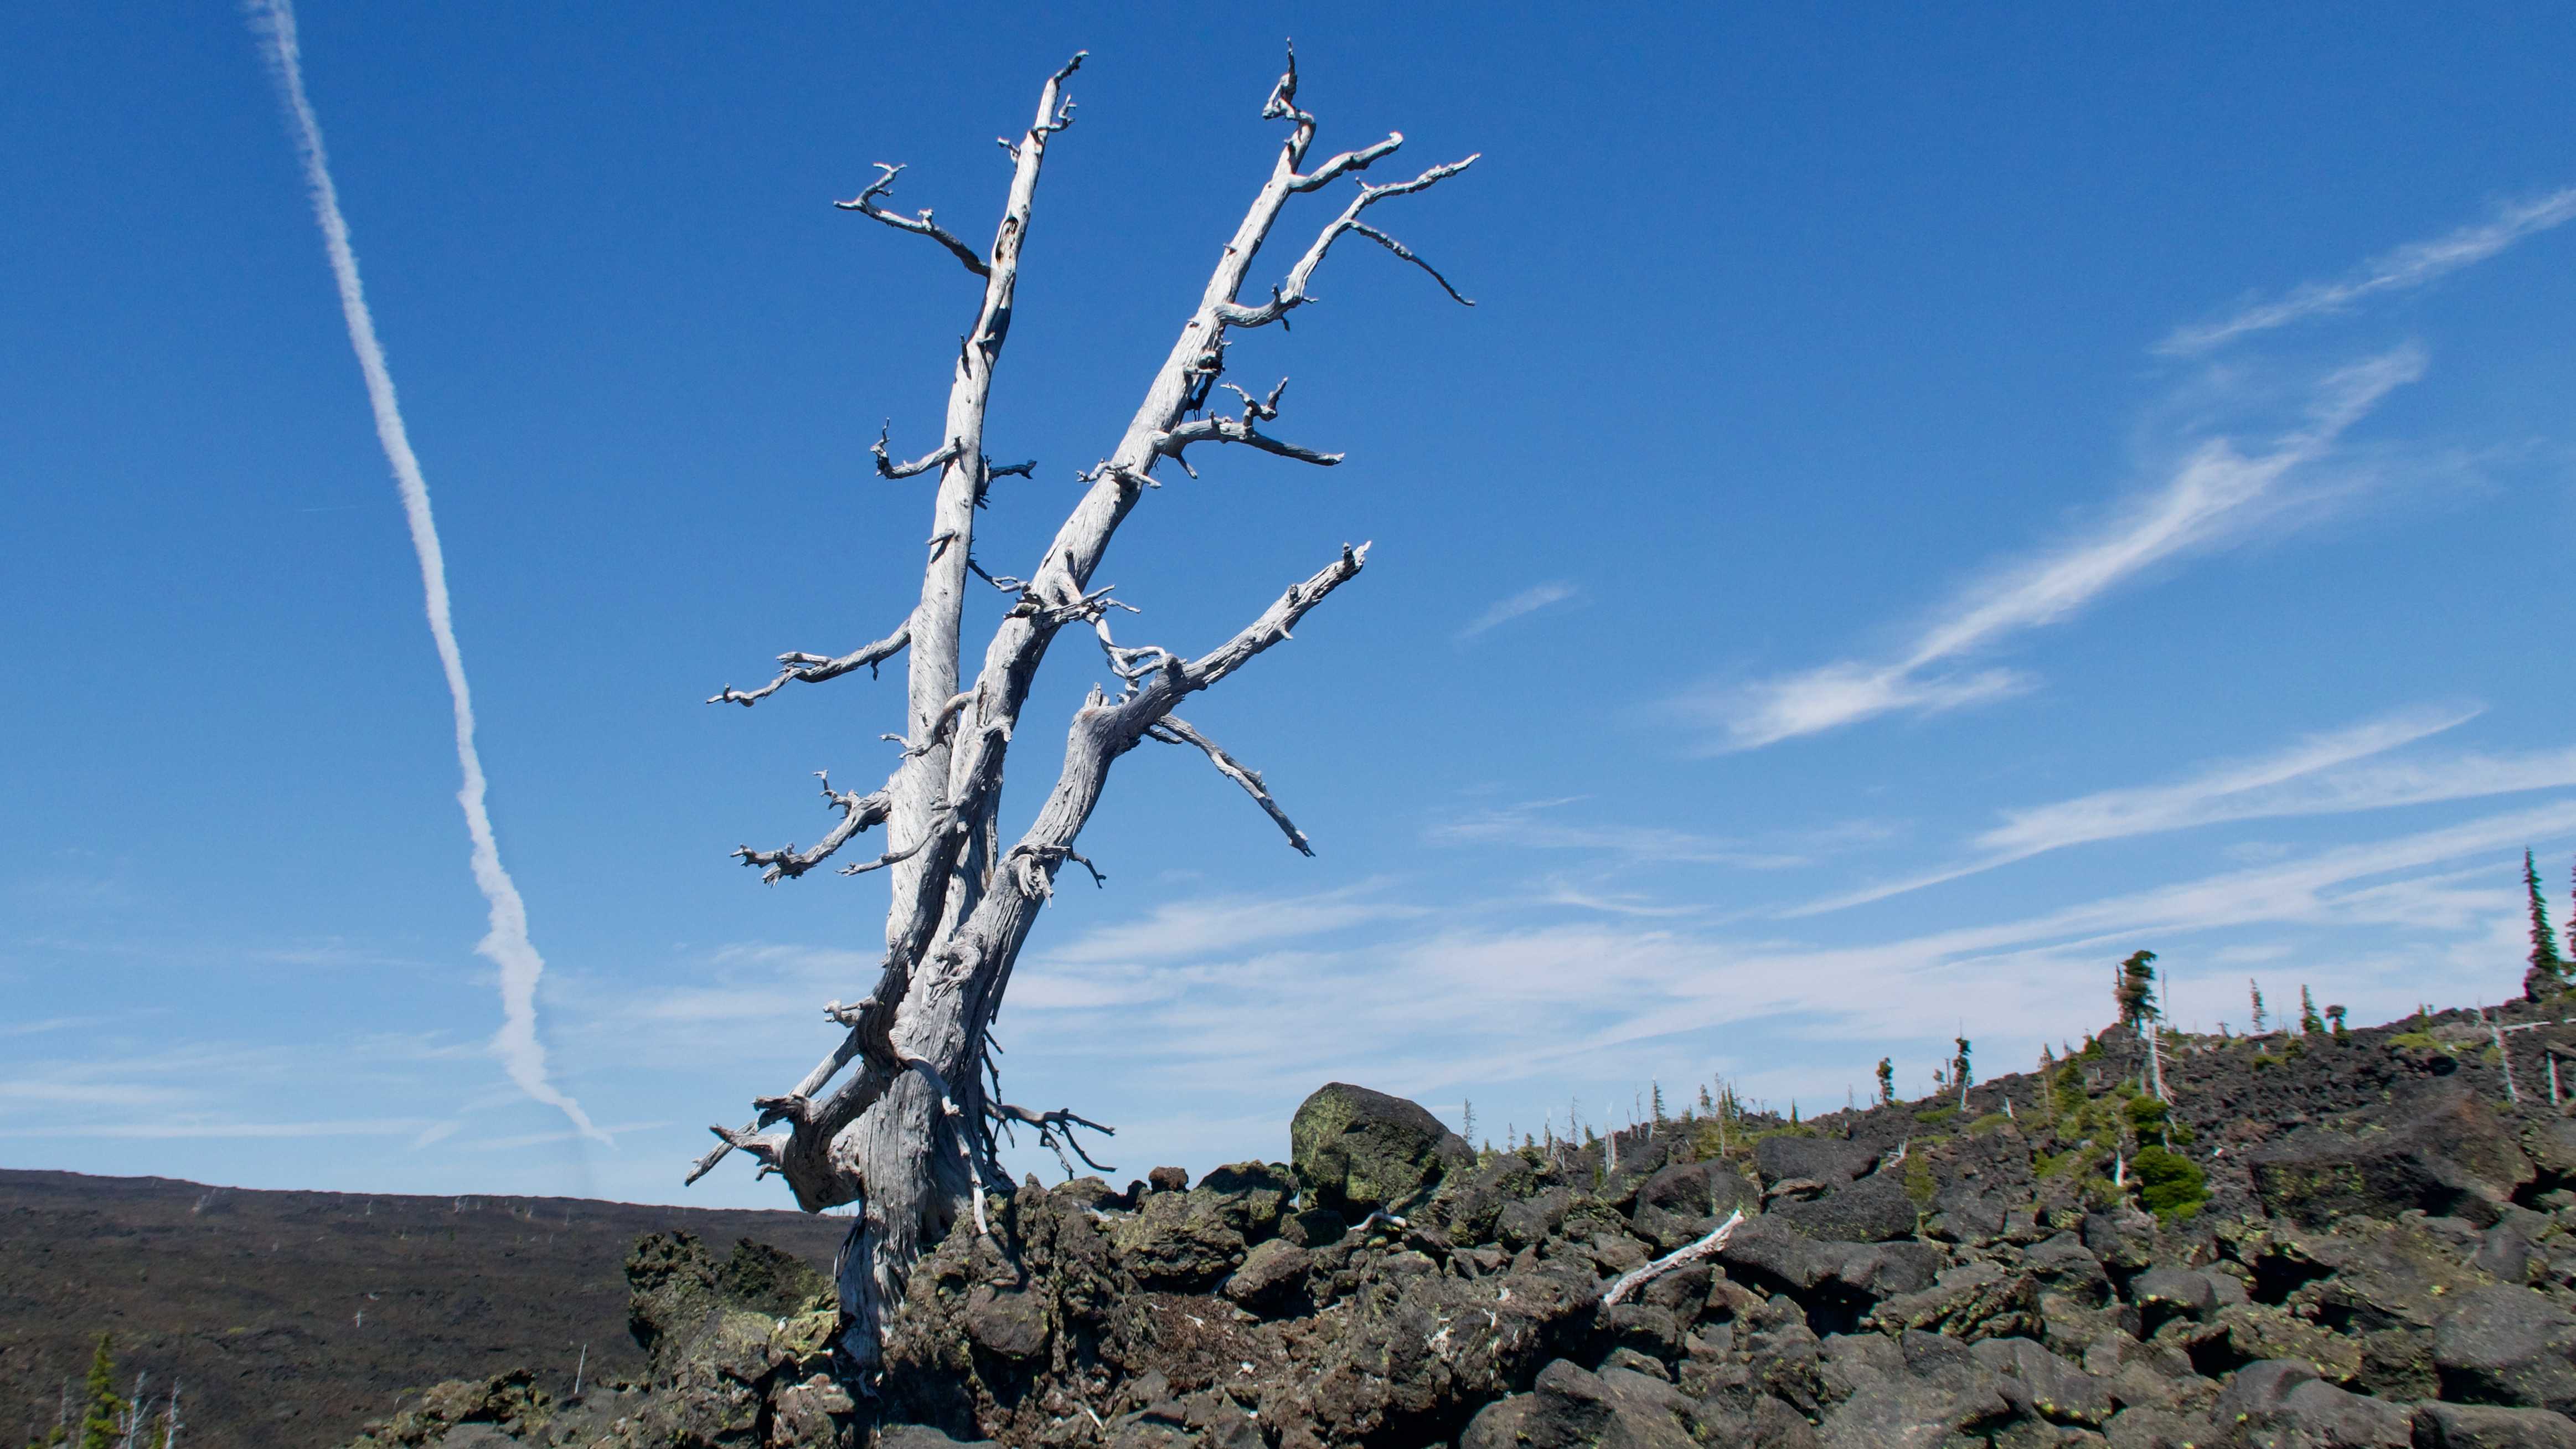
2170	1185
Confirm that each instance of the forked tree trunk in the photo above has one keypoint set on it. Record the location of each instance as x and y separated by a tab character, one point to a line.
898	1120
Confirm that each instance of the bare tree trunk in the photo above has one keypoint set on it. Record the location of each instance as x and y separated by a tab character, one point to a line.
897	1119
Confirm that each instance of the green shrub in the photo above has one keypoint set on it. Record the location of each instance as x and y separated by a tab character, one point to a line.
2413	1039
2070	1088
1919	1183
1990	1122
2146	1113
2170	1185
1936	1114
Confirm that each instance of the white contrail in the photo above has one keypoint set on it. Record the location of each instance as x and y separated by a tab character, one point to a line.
506	944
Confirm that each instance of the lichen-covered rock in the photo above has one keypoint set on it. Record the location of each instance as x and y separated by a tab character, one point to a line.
2282	1404
1178	1240
1787	1155
2041	1384
2450	1156
2166	1292
506	1404
1570	1407
1969	1302
1912	1392
1681	1203
1273	1275
1876	1209
2480	1426
2146	1427
1358	1151
2064	1265
2508	1346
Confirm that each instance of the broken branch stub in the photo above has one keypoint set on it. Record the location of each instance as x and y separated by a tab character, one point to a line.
903	1116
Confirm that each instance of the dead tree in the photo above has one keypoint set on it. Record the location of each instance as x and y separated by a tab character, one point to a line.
901	1119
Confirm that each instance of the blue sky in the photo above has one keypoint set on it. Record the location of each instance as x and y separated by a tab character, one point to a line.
1919	510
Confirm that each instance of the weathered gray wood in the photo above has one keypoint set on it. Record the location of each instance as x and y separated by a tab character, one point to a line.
897	1120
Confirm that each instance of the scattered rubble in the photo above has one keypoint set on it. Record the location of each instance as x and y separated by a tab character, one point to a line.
2326	1240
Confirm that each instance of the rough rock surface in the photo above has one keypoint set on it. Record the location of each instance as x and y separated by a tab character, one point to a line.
1357	1151
2369	1248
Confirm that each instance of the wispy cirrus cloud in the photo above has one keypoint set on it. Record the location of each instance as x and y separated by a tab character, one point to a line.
2216	495
182	1131
2332	773
1232	923
1469	998
1536	825
1527	601
2412	265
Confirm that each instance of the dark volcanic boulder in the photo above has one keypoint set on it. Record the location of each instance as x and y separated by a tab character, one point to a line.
922	1436
1409	1357
1357	1151
2509	1346
1912	1392
2480	1426
1873	1210
1821	1159
2282	1402
1573	1408
1683	1202
1272	1274
2042	1385
1179	1240
1967	1303
2449	1157
1250	1196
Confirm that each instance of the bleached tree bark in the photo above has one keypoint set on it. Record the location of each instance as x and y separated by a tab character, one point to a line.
901	1117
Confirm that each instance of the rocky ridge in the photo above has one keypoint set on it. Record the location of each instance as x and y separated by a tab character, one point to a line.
2363	1238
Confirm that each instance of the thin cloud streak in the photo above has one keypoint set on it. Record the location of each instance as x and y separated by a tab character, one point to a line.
506	944
1527	601
2412	265
1474	1000
177	1131
1525	827
2217	494
2319	775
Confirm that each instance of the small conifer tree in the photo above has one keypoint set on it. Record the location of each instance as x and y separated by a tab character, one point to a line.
2335	1014
1959	1069
2309	1022
2548	974
1886	1082
103	1423
2255	990
2136	991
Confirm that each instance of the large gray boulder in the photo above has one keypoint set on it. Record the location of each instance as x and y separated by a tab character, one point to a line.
1820	1159
2042	1385
1681	1203
2282	1404
1915	1391
2450	1156
2482	1426
1875	1209
1357	1151
2508	1346
1571	1407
